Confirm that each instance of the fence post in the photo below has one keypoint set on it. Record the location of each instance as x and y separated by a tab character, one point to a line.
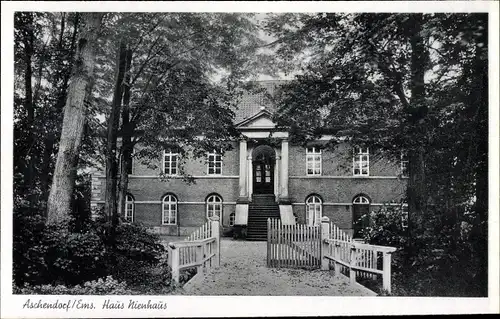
352	263
214	220
325	234
199	258
174	259
386	276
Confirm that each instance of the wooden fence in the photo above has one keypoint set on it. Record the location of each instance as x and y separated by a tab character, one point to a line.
302	246
293	246
201	249
356	259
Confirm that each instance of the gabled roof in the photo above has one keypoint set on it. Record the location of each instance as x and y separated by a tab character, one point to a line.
261	120
252	102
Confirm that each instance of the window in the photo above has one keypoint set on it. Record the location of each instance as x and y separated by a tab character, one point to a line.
313	161
361	200
404	215
361	162
129	208
313	210
170	162
361	207
169	210
214	163
404	164
214	206
232	218
130	165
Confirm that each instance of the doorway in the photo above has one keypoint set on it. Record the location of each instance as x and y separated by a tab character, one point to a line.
263	169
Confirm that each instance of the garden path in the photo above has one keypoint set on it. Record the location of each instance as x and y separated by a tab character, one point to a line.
243	272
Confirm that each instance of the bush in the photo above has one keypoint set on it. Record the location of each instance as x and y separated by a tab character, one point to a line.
108	286
440	260
67	256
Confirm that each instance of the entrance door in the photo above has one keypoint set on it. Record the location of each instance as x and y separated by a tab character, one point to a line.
263	175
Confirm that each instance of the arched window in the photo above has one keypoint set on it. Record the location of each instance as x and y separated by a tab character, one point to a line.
360	199
314	208
169	210
214	206
361	206
232	217
129	208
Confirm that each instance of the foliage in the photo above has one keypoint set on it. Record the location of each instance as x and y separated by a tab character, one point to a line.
61	255
108	286
445	263
401	82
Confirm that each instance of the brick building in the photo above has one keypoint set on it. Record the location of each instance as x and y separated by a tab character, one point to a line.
261	177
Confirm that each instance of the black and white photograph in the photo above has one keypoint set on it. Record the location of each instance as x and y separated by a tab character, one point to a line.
155	155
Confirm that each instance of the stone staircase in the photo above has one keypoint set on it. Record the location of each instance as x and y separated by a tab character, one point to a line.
260	209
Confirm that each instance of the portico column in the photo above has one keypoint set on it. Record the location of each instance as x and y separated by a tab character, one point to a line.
250	177
284	171
243	170
277	175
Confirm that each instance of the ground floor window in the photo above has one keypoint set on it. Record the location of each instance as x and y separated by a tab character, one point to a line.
214	206
313	210
129	208
232	218
361	206
404	215
169	210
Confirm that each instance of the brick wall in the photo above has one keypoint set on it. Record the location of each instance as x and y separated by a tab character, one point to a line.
339	162
192	166
336	186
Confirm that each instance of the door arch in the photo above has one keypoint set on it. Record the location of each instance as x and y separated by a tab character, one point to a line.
263	165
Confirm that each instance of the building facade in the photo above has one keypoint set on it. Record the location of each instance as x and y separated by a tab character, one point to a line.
305	182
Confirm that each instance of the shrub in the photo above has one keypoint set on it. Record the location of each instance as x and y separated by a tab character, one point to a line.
440	260
108	286
64	255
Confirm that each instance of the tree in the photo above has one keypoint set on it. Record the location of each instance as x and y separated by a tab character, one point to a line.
73	123
170	94
48	41
400	82
113	122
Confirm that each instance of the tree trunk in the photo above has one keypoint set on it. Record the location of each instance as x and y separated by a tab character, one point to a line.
480	96
113	122
127	146
30	111
52	137
58	206
417	113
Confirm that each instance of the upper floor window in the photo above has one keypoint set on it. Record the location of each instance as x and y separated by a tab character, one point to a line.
214	206
169	210
313	161
361	162
129	208
130	164
314	208
214	163
170	162
404	164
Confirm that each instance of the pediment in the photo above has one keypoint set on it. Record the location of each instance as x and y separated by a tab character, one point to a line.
261	120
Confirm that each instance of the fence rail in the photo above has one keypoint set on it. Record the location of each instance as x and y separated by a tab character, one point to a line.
355	258
201	249
303	246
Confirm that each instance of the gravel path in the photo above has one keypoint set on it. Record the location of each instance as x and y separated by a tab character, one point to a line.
244	272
